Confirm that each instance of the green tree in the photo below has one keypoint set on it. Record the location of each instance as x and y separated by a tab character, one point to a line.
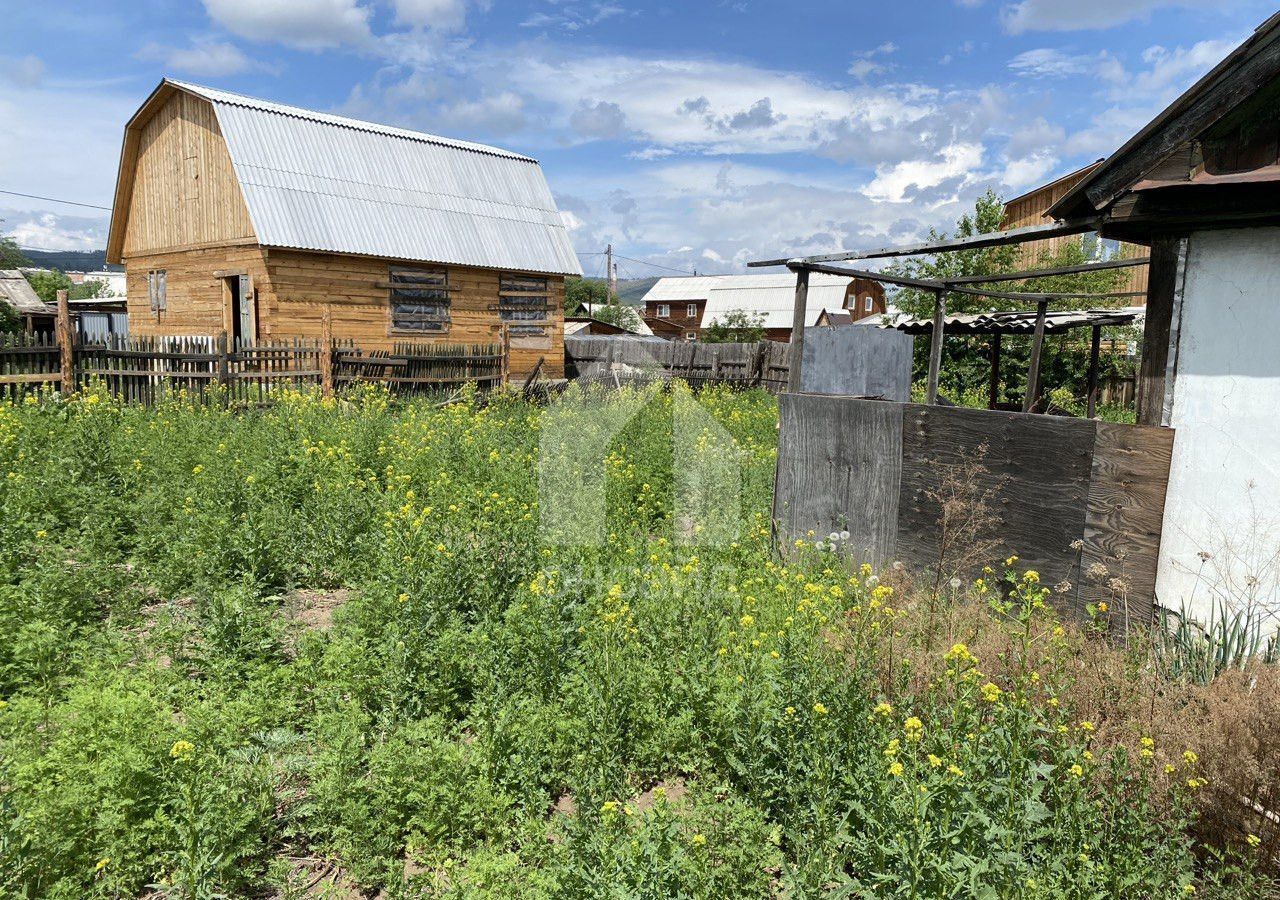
579	292
737	326
10	256
615	312
966	364
47	283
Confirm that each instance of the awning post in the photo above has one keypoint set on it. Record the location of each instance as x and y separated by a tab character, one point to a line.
797	330
1033	369
995	370
1094	348
935	346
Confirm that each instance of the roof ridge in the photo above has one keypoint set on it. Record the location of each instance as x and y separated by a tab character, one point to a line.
231	98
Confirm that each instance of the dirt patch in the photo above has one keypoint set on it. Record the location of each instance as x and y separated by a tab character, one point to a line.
317	878
313	610
672	790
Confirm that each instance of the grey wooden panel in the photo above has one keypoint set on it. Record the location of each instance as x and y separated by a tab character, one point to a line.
1039	467
1124	515
857	360
839	463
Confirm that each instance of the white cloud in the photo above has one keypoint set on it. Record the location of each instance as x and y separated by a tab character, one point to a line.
204	57
24	71
572	17
602	120
956	161
1075	15
441	15
865	64
1050	62
51	231
307	24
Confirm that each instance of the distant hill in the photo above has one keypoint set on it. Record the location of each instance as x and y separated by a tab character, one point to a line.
71	260
632	290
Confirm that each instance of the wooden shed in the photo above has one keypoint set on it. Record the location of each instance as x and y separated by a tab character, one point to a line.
1200	183
240	215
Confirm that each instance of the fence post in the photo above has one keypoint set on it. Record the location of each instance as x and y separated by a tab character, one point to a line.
506	353
326	354
224	363
65	350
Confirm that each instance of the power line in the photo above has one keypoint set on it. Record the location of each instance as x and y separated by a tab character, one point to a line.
643	262
55	200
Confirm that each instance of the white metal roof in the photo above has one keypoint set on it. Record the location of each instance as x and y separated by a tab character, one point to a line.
315	181
773	295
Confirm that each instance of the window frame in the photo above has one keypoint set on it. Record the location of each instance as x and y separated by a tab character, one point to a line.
524	304
423	287
691	311
869	304
663	311
157	290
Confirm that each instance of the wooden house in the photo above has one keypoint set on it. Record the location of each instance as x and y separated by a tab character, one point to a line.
1200	184
262	220
684	307
1032	208
33	314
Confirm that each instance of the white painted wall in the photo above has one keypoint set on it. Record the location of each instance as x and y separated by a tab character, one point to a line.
1221	538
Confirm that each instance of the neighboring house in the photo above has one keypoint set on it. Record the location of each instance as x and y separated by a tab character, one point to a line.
678	304
1201	185
692	304
36	316
116	282
1032	208
245	216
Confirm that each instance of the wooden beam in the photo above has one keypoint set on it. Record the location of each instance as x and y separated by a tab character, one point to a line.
1092	402
1044	273
1020	295
973	242
797	330
935	345
1033	369
995	371
1166	261
922	284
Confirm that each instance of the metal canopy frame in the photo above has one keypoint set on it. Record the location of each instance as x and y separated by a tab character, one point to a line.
802	266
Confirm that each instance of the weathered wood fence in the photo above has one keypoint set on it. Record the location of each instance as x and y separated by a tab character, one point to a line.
141	369
766	364
1078	500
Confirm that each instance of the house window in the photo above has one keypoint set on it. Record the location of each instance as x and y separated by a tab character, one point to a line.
156	290
664	310
868	304
419	299
691	336
692	311
523	302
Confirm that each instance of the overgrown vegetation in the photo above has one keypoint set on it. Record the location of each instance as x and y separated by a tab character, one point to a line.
735	326
321	648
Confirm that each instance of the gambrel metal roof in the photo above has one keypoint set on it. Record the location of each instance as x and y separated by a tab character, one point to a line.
314	181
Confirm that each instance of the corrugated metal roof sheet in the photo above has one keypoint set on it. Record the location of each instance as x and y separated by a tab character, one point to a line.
314	181
774	295
17	292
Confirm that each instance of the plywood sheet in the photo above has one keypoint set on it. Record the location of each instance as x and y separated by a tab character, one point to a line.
839	464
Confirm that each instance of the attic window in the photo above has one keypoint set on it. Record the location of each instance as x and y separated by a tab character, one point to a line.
523	302
419	299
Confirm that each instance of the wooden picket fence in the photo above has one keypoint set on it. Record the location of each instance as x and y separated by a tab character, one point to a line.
143	369
765	364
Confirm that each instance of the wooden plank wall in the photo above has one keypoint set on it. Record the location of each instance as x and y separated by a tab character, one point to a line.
185	190
1037	477
295	288
1079	501
1030	208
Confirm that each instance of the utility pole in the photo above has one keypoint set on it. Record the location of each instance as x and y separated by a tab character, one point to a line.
611	273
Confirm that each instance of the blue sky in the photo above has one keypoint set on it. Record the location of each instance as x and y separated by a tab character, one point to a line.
691	135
